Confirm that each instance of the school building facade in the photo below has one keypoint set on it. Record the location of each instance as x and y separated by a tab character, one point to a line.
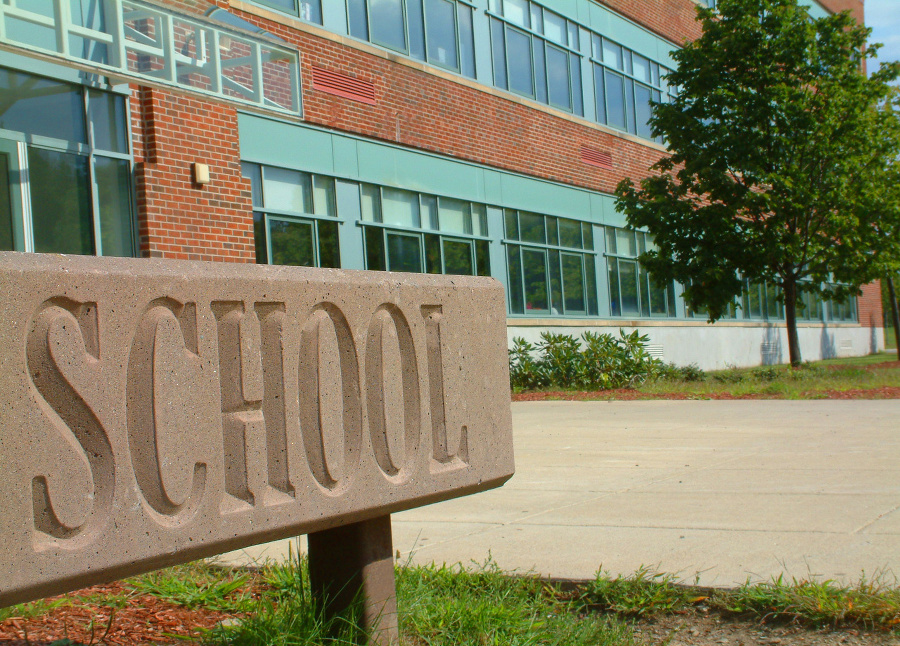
443	136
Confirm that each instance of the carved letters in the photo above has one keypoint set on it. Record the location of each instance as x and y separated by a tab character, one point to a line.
157	412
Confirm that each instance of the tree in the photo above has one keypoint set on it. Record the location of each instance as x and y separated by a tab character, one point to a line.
782	156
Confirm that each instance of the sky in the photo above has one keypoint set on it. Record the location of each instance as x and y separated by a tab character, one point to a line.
883	16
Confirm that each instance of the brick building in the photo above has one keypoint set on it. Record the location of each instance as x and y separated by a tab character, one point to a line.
445	136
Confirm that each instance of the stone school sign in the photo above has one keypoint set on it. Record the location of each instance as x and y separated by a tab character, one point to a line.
155	412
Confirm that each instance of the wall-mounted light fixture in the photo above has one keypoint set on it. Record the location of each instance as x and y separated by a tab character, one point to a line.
201	173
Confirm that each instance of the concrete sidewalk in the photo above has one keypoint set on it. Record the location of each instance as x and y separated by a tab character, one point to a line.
712	491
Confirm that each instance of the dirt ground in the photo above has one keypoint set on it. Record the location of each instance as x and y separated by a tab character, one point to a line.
148	620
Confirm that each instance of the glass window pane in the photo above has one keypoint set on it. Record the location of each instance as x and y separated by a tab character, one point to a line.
599	93
107	114
454	215
429	212
311	11
574	41
625	242
479	220
60	202
555	27
498	52
532	228
641	68
38	106
534	263
615	100
440	18
516	11
774	308
114	201
512	225
552	230
404	253
252	172
569	233
482	257
287	190
643	110
375	249
591	284
323	196
644	287
573	283
6	205
516	295
658	299
629	105
626	53
612	55
597	47
259	238
577	92
518	52
587	234
540	73
292	243
400	208
654	74
433	254
615	304
370	202
466	40
558	77
537	18
629	284
329	245
358	19
556	283
611	240
286	5
416	21
387	24
458	257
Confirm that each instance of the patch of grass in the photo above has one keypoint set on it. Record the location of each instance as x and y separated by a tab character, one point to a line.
196	585
33	608
871	603
646	593
441	605
287	615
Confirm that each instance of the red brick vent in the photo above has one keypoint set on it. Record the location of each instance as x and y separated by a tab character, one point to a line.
343	85
594	157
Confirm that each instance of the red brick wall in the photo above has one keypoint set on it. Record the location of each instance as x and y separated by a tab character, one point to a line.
675	20
176	217
869	305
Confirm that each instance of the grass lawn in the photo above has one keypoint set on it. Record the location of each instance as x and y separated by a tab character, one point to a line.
440	605
876	376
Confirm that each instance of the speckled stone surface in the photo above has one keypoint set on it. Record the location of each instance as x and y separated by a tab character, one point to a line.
154	412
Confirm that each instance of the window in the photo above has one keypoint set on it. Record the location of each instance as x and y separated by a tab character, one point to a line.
65	168
551	265
632	290
307	10
842	310
626	85
294	217
535	53
413	232
761	301
437	31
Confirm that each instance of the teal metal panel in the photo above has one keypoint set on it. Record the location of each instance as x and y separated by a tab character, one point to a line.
350	235
601	271
268	141
815	9
334	16
346	160
50	70
497	252
493	186
544	197
484	69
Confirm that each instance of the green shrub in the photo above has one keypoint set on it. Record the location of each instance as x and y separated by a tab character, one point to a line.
595	362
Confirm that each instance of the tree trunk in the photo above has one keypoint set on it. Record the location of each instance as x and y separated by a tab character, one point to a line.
895	315
790	317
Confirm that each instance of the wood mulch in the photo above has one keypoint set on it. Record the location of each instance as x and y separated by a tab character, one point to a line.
143	619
